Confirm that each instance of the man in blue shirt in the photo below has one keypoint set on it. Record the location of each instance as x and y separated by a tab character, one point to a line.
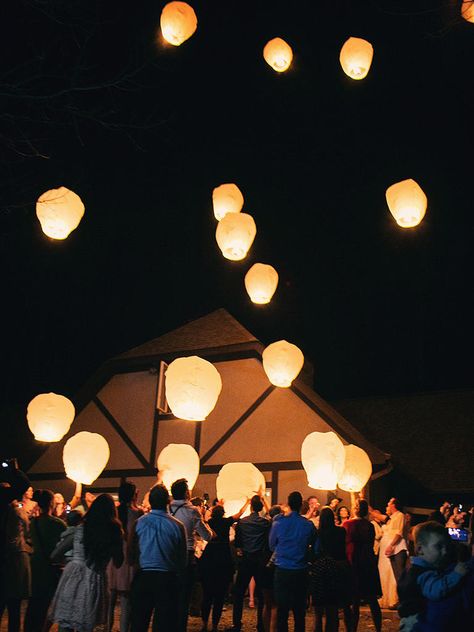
291	536
158	543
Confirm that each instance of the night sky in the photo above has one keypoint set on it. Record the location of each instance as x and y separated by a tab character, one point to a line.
93	100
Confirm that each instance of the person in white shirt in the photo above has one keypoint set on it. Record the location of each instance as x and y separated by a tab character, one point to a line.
397	549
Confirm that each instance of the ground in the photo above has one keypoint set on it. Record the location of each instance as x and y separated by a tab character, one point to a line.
390	622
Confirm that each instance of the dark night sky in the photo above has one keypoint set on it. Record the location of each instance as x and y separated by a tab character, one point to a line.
143	133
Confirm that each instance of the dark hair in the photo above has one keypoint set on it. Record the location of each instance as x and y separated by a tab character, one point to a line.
423	531
275	510
218	511
295	500
73	518
396	503
339	509
179	489
304	507
197	501
126	494
256	503
362	508
326	527
102	531
159	497
44	498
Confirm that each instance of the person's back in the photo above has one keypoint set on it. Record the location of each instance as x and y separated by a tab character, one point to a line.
290	537
159	537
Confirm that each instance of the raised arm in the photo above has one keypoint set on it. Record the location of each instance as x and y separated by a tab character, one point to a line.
435	586
76	499
242	509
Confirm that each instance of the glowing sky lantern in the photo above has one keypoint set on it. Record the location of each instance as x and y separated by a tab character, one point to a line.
59	212
261	282
192	388
235	234
356	57
178	460
178	22
278	54
407	203
50	416
282	361
323	456
227	198
236	482
85	455
357	469
467	11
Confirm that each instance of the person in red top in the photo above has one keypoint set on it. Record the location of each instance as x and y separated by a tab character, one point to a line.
360	536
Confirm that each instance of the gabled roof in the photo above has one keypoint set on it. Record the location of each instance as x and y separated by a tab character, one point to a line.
217	329
430	434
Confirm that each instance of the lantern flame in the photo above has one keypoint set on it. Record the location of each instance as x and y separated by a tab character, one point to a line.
356	57
278	54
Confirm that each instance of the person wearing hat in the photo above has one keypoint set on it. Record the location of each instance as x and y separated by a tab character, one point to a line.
333	501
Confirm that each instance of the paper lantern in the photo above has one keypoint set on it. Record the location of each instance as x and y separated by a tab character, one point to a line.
50	416
59	212
235	234
357	469
467	11
192	388
356	57
323	455
278	54
85	455
407	203
282	361
227	198
178	22
261	282
236	482
178	460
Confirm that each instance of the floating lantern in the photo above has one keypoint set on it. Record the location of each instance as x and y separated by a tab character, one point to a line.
282	362
278	54
50	416
356	57
323	455
235	234
85	455
357	469
59	212
227	198
236	482
192	388
178	22
261	282
407	203
178	460
467	11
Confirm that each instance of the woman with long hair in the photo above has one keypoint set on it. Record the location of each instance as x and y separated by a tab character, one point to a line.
330	575
80	602
120	579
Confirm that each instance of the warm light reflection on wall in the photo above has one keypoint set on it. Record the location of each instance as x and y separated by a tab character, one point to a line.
50	416
407	203
323	455
261	282
178	460
227	198
356	57
357	469
235	234
278	54
178	22
59	212
282	361
85	455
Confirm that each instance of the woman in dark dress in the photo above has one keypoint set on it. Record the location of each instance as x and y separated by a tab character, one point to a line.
330	575
216	567
360	553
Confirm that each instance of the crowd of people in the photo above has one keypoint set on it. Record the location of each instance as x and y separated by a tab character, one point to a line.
174	554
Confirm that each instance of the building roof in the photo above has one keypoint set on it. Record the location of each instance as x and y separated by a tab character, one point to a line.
430	435
215	330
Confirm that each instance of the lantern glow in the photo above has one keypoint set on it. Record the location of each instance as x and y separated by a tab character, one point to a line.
407	203
323	455
356	57
278	54
227	198
178	460
192	388
59	212
357	469
85	455
282	361
235	234
467	10
236	482
261	282
178	22
50	416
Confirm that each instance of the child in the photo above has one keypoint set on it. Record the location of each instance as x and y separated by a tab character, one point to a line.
62	554
427	580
